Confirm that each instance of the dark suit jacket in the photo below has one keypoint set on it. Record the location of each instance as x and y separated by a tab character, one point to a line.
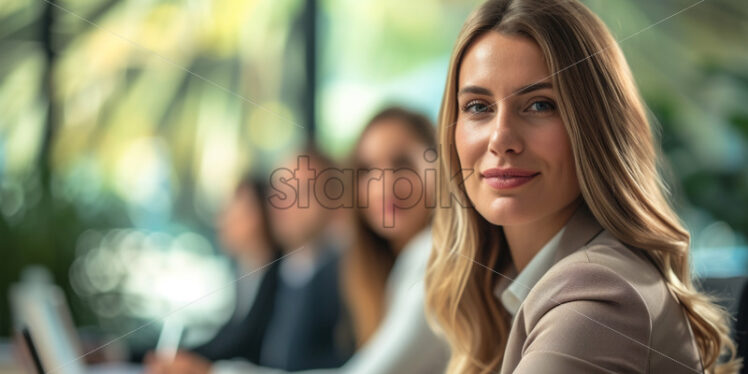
243	338
309	328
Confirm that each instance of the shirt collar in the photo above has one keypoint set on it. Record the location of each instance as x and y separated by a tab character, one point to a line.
512	289
515	293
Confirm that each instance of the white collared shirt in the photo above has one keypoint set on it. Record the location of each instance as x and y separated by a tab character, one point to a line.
513	295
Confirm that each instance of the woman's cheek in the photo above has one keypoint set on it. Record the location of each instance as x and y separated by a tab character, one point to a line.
465	144
470	148
556	151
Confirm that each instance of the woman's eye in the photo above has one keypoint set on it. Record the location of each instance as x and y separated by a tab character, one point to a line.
542	106
475	107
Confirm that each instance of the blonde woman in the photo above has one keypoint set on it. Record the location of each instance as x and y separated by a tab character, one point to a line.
559	251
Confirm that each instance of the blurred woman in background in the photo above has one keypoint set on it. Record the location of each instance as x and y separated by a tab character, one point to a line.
384	272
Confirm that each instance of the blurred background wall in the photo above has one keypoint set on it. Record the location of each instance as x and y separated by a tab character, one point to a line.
125	124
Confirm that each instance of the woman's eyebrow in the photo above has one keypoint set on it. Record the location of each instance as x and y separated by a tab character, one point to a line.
476	90
520	91
533	87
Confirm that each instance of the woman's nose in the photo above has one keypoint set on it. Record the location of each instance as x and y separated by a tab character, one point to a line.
504	134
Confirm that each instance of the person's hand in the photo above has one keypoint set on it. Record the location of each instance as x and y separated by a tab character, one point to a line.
183	363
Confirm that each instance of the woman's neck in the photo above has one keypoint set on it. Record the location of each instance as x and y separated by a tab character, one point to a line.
525	241
399	244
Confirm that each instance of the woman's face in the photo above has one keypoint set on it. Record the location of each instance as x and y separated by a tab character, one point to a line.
505	120
393	201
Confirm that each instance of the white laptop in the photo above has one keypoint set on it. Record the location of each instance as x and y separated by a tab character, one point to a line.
42	315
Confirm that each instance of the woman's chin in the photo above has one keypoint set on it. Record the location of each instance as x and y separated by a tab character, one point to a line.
388	232
507	211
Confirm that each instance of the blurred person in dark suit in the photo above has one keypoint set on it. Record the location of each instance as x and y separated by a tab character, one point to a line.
308	328
245	235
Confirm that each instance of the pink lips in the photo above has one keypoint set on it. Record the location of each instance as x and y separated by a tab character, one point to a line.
507	178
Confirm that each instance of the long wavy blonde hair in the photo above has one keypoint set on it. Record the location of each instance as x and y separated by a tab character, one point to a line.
617	162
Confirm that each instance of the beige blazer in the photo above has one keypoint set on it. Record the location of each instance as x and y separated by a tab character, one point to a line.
602	307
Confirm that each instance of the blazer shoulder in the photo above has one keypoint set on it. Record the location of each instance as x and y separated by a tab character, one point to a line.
604	270
588	311
585	281
631	264
607	294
